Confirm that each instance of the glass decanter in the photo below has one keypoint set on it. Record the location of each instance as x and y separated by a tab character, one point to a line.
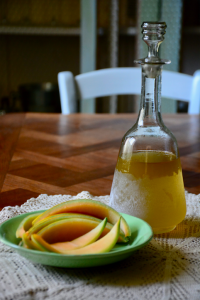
148	180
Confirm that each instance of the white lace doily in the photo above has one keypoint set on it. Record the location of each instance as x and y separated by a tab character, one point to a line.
166	269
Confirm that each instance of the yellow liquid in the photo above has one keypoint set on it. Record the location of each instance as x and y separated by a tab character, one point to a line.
149	185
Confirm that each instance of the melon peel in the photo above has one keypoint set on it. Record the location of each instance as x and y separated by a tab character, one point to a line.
25	224
103	245
89	207
27	243
80	242
66	230
49	220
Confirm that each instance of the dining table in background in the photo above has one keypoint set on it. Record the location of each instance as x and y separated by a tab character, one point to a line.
66	154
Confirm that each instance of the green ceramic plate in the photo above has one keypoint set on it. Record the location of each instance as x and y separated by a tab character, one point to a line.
141	234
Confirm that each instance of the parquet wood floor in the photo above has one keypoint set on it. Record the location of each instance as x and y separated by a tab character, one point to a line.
57	154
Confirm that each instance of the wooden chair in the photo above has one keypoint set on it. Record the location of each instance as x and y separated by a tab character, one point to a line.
124	81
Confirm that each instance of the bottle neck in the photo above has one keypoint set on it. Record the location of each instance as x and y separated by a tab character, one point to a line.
149	114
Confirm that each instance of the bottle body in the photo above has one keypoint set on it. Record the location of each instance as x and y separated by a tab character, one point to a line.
149	185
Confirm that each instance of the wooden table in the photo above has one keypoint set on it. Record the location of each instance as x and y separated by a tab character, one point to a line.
57	154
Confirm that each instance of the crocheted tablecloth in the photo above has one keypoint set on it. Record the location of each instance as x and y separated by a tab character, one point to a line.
168	268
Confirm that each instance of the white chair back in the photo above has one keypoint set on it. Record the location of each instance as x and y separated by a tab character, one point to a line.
124	81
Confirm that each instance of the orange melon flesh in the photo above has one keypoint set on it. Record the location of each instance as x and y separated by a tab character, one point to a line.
45	222
80	242
66	230
39	243
88	207
103	245
25	224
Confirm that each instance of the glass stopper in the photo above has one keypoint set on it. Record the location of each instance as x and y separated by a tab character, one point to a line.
153	36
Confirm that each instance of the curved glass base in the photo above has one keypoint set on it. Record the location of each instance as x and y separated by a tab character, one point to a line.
163	230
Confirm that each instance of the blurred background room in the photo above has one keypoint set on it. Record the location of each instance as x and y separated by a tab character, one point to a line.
40	38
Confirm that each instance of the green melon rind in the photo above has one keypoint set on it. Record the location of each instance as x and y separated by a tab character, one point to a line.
80	242
66	230
27	243
25	224
86	206
40	244
103	245
54	218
